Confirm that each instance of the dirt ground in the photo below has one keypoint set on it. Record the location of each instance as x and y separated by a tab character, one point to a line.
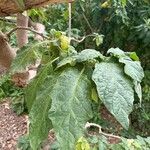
11	127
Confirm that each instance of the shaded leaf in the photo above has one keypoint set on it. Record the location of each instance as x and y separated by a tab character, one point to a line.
115	90
34	86
138	90
94	95
71	107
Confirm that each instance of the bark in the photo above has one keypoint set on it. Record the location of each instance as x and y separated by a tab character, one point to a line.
9	7
7	53
22	35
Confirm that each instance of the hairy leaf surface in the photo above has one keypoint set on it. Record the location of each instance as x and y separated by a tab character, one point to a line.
115	90
71	107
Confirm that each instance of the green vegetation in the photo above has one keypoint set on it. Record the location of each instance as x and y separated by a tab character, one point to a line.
98	66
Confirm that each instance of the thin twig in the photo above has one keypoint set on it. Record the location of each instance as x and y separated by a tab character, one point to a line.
83	38
88	23
11	21
26	28
70	17
88	125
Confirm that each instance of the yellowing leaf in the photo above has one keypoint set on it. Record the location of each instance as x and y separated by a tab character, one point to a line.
64	42
106	4
82	144
94	95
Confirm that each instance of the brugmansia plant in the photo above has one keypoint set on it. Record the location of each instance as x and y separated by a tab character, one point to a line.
68	82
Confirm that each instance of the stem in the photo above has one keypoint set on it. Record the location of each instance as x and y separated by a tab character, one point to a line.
88	125
11	21
83	38
88	23
70	17
26	28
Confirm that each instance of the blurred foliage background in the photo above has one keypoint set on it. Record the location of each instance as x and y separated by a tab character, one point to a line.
124	24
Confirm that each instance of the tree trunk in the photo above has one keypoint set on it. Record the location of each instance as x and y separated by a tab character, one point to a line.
9	7
22	35
7	54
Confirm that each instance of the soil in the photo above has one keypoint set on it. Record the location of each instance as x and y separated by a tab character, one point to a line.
11	127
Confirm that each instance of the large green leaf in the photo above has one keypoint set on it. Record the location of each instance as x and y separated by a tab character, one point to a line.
40	124
133	68
71	107
115	90
27	56
34	86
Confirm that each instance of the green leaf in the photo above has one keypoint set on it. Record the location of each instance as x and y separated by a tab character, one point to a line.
27	56
82	144
65	61
71	107
40	124
102	143
34	86
124	2
23	143
133	68
134	56
88	54
99	39
116	52
115	90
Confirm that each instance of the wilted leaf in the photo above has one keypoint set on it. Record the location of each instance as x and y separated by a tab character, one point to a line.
133	68
115	90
